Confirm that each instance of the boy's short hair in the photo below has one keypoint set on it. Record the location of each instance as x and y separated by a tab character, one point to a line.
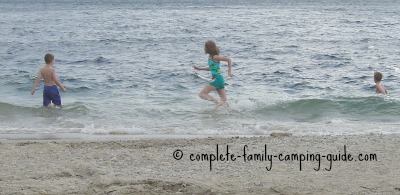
378	76
48	58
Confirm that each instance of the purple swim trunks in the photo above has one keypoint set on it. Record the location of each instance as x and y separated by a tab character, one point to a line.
51	95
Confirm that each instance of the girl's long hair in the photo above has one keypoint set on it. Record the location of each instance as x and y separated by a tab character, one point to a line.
211	48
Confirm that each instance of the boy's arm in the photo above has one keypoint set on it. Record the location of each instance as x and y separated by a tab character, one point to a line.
58	82
37	80
201	68
226	59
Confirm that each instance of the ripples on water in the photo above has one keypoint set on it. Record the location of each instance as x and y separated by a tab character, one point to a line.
301	66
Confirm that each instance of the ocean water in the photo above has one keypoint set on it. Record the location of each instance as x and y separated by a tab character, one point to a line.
304	67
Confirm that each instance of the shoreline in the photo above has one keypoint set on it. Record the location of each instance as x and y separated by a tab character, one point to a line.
136	137
108	137
150	166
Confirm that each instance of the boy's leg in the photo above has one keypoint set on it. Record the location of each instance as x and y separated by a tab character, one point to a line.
46	101
46	97
204	94
56	99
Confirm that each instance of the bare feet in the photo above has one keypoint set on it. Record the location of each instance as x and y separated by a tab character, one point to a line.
221	103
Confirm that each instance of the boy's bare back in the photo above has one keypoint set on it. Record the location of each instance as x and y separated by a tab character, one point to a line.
48	73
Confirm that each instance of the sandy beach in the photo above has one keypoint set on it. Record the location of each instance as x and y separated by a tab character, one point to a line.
240	165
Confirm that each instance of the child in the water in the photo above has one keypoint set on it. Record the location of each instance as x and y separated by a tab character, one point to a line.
50	91
379	87
218	82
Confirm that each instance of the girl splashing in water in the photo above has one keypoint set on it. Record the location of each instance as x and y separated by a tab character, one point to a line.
218	82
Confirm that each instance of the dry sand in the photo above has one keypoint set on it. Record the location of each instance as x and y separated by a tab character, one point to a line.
149	167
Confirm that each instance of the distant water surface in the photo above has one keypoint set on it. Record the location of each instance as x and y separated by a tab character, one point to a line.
304	67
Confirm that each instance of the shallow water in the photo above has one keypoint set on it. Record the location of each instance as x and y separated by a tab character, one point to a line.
304	67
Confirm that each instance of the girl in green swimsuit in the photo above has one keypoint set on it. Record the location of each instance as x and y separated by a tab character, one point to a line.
218	82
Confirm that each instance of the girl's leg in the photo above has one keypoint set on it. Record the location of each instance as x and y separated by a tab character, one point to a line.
224	99
204	94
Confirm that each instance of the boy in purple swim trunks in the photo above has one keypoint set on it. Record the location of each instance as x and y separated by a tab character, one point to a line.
50	91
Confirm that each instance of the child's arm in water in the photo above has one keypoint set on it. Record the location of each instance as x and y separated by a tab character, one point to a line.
37	80
201	68
58	82
226	59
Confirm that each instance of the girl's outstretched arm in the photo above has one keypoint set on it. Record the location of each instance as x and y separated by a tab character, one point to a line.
201	68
